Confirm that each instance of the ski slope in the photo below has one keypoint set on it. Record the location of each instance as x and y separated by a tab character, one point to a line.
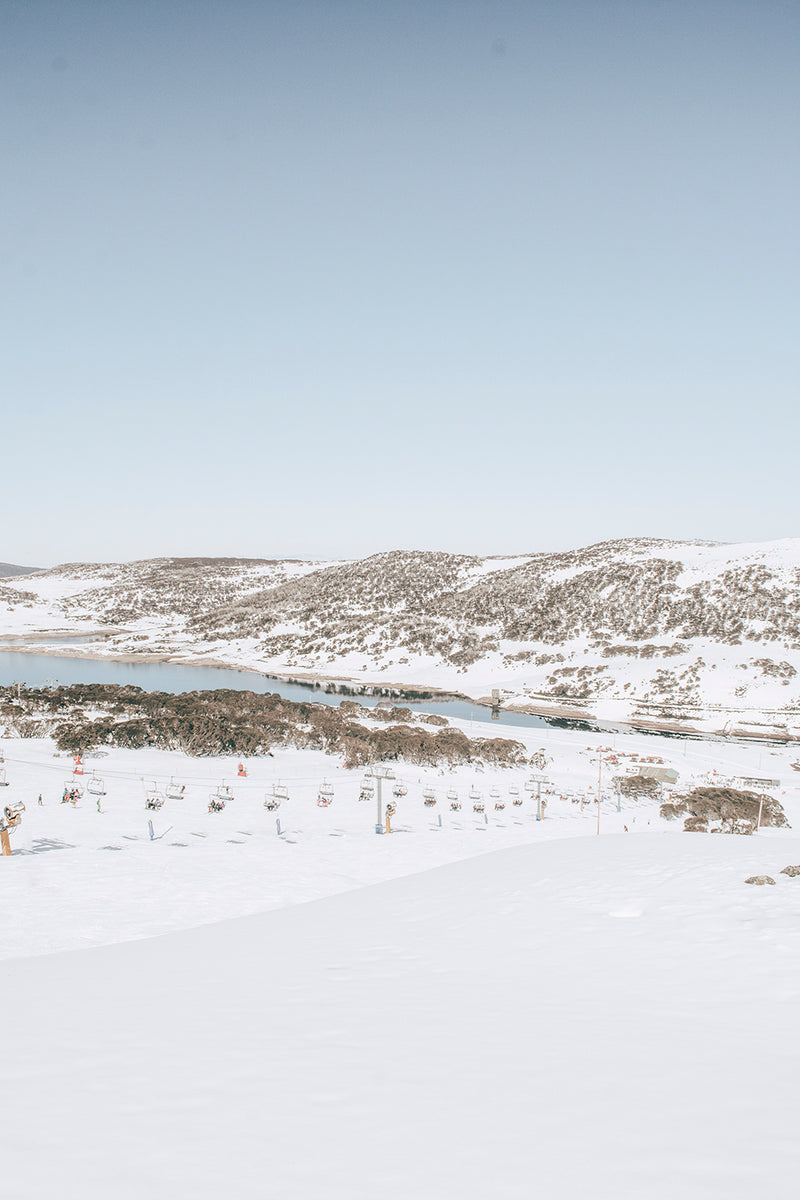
491	1007
611	1017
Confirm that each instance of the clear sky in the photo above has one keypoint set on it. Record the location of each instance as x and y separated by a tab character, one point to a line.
321	279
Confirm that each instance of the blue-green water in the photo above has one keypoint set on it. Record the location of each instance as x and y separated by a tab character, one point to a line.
49	670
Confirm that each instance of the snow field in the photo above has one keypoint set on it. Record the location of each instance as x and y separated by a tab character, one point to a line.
609	1017
79	878
508	1009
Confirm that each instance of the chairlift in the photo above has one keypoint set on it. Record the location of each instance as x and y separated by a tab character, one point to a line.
429	798
3	780
275	797
399	789
222	793
175	791
95	786
154	798
367	789
77	764
325	794
477	800
494	796
241	771
73	792
215	805
455	806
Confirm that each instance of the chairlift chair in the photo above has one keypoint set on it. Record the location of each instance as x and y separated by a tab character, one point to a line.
3	780
73	792
494	796
274	798
429	798
223	792
477	800
175	791
215	805
154	798
95	786
325	795
367	789
399	789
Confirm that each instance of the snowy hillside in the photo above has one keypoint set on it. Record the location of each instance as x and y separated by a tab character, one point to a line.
489	1005
637	629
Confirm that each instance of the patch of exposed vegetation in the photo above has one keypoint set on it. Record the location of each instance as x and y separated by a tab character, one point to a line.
637	786
727	810
85	716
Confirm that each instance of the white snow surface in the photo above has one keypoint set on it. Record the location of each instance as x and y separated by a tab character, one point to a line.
507	1008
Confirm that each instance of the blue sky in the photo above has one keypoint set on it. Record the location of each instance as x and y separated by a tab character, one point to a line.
325	279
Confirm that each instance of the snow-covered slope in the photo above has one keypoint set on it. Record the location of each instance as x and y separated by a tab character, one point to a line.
608	1018
636	628
508	1008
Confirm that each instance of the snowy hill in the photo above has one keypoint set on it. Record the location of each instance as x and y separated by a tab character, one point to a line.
479	1004
639	628
572	1019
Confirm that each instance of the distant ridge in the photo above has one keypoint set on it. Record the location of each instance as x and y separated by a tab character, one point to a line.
8	570
645	628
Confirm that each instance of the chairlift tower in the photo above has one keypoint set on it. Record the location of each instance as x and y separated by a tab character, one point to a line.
379	773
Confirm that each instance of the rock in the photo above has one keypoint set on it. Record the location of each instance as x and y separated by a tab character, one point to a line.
792	871
760	879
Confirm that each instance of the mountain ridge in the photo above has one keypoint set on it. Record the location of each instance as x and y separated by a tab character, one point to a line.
612	627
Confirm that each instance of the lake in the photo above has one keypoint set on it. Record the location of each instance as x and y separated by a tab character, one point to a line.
49	670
